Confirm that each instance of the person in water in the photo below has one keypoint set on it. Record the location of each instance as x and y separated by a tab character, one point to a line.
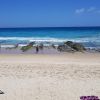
37	49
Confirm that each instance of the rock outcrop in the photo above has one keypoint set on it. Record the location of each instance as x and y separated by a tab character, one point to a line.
71	46
29	46
65	48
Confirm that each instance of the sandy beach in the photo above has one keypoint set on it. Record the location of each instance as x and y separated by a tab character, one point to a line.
49	76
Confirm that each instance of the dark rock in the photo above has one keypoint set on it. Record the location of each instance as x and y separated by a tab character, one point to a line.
69	43
65	48
31	43
75	46
78	47
71	46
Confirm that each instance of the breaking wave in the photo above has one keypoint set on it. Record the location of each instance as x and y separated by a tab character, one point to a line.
49	39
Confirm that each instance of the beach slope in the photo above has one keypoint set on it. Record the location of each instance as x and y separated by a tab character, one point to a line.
49	77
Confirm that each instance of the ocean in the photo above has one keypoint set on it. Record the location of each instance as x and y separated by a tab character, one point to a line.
89	36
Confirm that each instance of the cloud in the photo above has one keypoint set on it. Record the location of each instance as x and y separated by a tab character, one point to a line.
80	10
91	9
88	10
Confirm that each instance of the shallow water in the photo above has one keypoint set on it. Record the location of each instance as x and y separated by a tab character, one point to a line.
89	36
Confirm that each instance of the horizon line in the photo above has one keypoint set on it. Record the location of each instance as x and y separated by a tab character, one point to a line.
52	27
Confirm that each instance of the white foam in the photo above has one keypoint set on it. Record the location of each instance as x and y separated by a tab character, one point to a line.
6	46
49	39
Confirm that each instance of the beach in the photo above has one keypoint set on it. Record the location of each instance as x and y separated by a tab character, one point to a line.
64	76
49	50
60	63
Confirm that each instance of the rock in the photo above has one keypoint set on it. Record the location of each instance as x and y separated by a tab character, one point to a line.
75	46
69	43
31	43
78	47
71	46
65	48
29	46
1	92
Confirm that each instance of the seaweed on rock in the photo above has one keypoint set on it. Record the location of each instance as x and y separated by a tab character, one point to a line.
29	46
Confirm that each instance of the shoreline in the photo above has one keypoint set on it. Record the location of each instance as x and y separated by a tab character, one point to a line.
63	58
46	50
49	48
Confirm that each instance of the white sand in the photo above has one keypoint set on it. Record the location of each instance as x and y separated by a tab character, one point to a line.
49	77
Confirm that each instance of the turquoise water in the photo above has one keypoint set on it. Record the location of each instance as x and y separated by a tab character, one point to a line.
89	36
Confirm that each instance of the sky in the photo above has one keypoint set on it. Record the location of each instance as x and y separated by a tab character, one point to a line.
49	13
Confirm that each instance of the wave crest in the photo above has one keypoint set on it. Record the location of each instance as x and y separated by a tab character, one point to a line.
49	39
